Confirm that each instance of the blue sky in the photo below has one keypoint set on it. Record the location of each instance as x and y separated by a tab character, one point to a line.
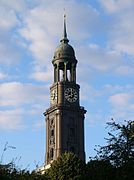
101	33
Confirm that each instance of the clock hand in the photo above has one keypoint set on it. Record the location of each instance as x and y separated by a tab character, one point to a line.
71	92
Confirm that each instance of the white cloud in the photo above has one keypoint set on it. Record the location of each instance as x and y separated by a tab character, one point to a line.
99	58
108	101
9	18
114	89
44	35
14	5
11	119
122	105
120	100
88	91
41	43
113	6
121	33
41	28
16	94
8	54
3	75
125	70
42	76
18	100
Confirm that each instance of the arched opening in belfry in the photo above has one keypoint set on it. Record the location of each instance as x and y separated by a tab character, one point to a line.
68	74
61	75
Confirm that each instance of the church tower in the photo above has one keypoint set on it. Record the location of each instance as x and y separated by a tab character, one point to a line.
65	117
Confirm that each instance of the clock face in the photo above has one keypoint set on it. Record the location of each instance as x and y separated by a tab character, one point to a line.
53	96
71	95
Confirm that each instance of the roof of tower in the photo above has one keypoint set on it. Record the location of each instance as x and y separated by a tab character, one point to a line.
64	49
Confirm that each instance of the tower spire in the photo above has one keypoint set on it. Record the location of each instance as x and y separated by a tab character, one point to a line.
64	38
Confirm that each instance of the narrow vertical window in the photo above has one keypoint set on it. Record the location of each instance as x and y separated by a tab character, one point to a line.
52	132
51	153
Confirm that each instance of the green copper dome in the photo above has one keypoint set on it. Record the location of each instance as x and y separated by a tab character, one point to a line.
64	50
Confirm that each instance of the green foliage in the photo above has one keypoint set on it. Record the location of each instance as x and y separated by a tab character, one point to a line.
113	161
120	146
67	167
100	170
10	172
118	153
125	172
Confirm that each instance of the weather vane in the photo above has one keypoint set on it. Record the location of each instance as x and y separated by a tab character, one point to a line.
64	13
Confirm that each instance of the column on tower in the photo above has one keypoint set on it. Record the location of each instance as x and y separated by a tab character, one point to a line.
73	73
65	71
58	72
59	133
47	139
55	72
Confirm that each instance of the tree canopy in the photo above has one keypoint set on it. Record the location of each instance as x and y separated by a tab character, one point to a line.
115	161
67	166
120	145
